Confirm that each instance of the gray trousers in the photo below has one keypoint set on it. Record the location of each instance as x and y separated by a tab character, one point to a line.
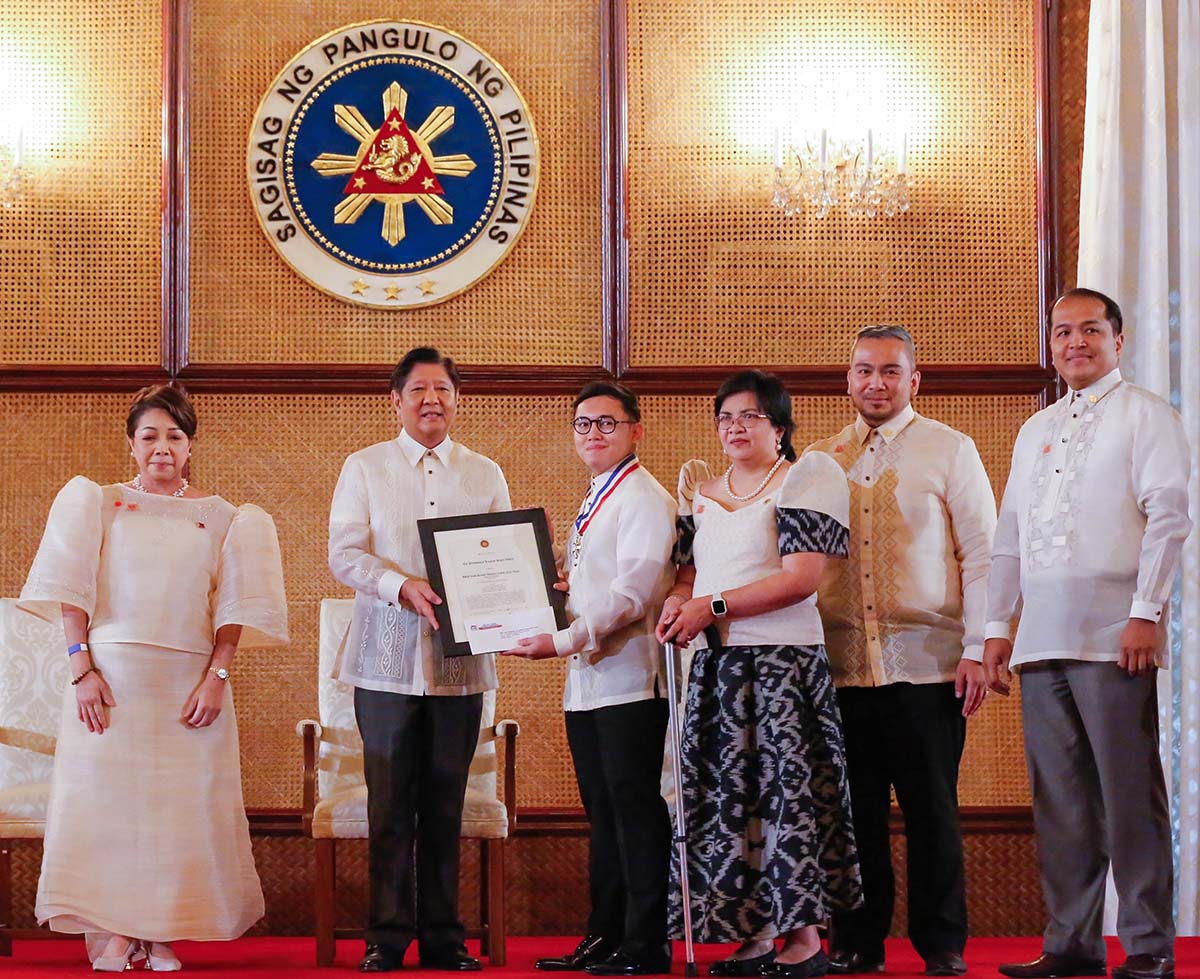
1091	744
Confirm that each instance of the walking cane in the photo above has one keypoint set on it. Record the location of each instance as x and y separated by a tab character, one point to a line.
680	836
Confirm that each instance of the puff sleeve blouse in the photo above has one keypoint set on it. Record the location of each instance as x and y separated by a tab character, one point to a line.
808	512
159	570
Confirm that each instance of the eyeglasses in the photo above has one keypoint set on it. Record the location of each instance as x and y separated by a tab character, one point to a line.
747	419
606	423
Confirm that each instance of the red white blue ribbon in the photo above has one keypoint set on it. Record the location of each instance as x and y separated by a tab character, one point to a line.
615	478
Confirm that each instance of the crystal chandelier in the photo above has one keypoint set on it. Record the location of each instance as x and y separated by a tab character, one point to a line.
825	172
12	173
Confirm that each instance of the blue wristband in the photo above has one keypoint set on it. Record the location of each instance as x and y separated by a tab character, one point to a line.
79	647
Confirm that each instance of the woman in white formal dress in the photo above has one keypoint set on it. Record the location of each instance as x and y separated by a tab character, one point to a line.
156	582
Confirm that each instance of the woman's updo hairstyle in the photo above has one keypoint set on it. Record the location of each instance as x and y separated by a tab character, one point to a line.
773	401
174	401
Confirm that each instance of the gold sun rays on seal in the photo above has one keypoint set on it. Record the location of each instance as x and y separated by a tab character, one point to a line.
352	206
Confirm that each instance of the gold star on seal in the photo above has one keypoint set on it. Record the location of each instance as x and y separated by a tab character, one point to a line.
359	182
393	292
427	182
359	286
426	287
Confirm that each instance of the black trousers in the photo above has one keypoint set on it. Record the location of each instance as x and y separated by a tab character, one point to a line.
909	736
417	753
618	755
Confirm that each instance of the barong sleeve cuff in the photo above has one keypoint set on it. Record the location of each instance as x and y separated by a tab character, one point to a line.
389	586
572	639
1151	611
996	630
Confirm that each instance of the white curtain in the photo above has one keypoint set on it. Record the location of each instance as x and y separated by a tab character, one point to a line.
1139	241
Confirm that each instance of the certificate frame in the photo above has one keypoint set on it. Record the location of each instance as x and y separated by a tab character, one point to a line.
439	572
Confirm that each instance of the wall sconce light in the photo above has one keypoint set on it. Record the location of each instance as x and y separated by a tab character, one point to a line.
824	171
13	177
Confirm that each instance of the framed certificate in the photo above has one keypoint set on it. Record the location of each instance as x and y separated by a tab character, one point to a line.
496	575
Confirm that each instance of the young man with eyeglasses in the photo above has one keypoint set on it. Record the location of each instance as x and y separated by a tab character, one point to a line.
618	563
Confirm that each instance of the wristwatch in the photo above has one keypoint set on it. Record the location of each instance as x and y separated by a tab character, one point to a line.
219	672
719	608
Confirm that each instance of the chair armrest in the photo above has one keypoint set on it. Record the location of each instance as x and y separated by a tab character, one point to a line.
311	732
509	729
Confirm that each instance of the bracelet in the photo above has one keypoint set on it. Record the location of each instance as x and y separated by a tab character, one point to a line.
79	647
90	669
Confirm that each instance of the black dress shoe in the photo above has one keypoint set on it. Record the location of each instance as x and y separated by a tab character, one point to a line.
816	964
728	968
846	963
1051	966
593	948
647	960
945	963
453	958
1145	967
381	958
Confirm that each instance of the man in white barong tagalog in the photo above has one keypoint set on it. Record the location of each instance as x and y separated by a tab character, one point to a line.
619	568
1089	539
418	712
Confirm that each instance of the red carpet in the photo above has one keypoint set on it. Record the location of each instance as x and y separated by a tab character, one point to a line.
276	958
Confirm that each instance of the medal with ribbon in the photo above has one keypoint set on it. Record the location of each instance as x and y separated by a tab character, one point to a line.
588	511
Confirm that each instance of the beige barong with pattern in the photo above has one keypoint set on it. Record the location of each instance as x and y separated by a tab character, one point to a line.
146	834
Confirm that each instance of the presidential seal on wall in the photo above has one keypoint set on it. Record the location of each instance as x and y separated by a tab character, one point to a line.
392	164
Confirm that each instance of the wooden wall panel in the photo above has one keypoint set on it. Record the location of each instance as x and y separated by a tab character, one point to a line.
80	257
543	305
718	275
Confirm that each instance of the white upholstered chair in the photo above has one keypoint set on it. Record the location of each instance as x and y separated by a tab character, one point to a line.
335	794
32	681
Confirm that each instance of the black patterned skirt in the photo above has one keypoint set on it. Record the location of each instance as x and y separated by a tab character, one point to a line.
770	843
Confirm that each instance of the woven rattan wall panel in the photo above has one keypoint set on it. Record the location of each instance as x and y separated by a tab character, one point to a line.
79	257
542	305
717	275
46	439
546	889
1072	68
1004	893
284	453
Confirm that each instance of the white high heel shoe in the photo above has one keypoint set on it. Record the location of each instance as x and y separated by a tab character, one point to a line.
118	963
160	957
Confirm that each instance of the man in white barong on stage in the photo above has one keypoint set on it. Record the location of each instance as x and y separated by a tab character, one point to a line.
1089	539
418	711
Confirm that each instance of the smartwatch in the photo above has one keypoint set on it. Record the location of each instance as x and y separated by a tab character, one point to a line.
719	608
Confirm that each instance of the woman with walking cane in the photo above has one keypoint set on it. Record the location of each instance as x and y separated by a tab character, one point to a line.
771	850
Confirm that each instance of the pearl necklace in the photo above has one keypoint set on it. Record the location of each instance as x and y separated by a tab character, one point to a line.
757	489
138	485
